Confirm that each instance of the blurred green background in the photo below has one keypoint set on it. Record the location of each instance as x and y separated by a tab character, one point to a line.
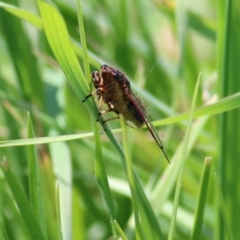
161	46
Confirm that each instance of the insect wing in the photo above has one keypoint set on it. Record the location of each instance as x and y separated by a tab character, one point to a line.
142	111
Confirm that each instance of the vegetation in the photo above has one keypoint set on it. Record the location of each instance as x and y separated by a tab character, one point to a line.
63	177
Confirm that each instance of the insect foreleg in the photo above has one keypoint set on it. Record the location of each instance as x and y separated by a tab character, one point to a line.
90	95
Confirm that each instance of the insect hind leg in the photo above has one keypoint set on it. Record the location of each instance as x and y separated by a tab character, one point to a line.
107	120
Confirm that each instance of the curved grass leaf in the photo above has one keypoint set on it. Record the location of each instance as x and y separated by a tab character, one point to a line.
182	163
23	14
139	230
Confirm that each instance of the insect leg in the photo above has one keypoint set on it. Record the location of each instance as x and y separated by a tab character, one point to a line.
110	119
107	120
110	109
90	95
103	112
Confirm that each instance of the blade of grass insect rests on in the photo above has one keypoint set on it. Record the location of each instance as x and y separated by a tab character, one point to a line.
198	218
139	230
59	41
83	42
60	235
35	188
120	231
22	203
182	162
101	177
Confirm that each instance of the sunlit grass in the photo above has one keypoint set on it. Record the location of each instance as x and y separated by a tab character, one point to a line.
63	176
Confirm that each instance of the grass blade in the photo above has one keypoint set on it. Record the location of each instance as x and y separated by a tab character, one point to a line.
139	230
83	42
58	211
198	219
120	231
182	162
35	187
228	49
25	64
101	177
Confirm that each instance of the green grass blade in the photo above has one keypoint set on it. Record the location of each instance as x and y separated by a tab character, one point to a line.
83	42
23	205
35	188
24	61
226	104
36	21
23	14
182	163
165	185
228	49
223	210
59	41
139	230
58	211
198	219
120	231
33	141
101	177
62	169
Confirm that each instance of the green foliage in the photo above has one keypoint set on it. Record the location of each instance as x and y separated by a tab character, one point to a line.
53	185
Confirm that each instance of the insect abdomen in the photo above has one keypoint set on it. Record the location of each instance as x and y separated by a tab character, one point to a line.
132	114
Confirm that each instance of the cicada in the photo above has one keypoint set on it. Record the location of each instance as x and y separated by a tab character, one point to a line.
114	89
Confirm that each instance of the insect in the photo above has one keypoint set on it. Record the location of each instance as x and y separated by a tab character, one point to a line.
114	89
